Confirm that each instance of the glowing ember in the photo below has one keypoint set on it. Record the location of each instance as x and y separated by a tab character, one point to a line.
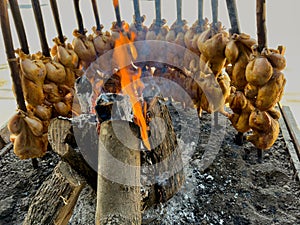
131	84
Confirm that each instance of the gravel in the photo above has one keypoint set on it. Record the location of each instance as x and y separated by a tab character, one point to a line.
222	186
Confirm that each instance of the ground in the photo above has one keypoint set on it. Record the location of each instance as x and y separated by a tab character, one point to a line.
234	189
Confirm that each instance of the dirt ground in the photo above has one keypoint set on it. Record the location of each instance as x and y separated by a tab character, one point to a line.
234	189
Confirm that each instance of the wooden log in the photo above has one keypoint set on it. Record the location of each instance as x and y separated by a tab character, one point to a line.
155	187
54	201
261	24
61	139
118	192
162	168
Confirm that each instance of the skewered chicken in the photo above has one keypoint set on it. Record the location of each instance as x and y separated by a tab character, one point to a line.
259	70
271	93
102	41
238	51
65	54
212	44
242	109
265	129
84	48
27	136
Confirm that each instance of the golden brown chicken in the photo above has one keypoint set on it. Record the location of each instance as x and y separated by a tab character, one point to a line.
242	109
271	93
265	129
212	44
27	136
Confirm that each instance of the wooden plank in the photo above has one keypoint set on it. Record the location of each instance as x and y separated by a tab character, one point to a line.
292	126
287	126
54	201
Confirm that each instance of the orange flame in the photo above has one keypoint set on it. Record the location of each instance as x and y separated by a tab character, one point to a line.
116	3
131	84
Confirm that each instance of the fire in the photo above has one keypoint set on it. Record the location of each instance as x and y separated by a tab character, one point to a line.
116	3
131	83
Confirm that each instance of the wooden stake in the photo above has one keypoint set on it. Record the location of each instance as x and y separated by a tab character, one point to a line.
78	17
117	12
215	11
57	20
54	201
239	138
10	53
96	14
233	16
158	12
14	6
40	25
200	12
12	61
261	24
137	13
179	11
118	202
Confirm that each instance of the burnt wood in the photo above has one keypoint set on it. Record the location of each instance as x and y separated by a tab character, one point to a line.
261	24
55	200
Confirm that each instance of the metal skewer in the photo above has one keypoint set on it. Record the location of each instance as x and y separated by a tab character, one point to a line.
55	12
233	16
40	25
96	14
79	17
14	6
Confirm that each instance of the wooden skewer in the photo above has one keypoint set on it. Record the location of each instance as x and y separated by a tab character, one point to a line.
117	12
261	24
158	12
137	13
55	12
233	16
11	58
215	11
12	61
79	17
200	12
14	6
40	25
262	42
96	14
179	11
